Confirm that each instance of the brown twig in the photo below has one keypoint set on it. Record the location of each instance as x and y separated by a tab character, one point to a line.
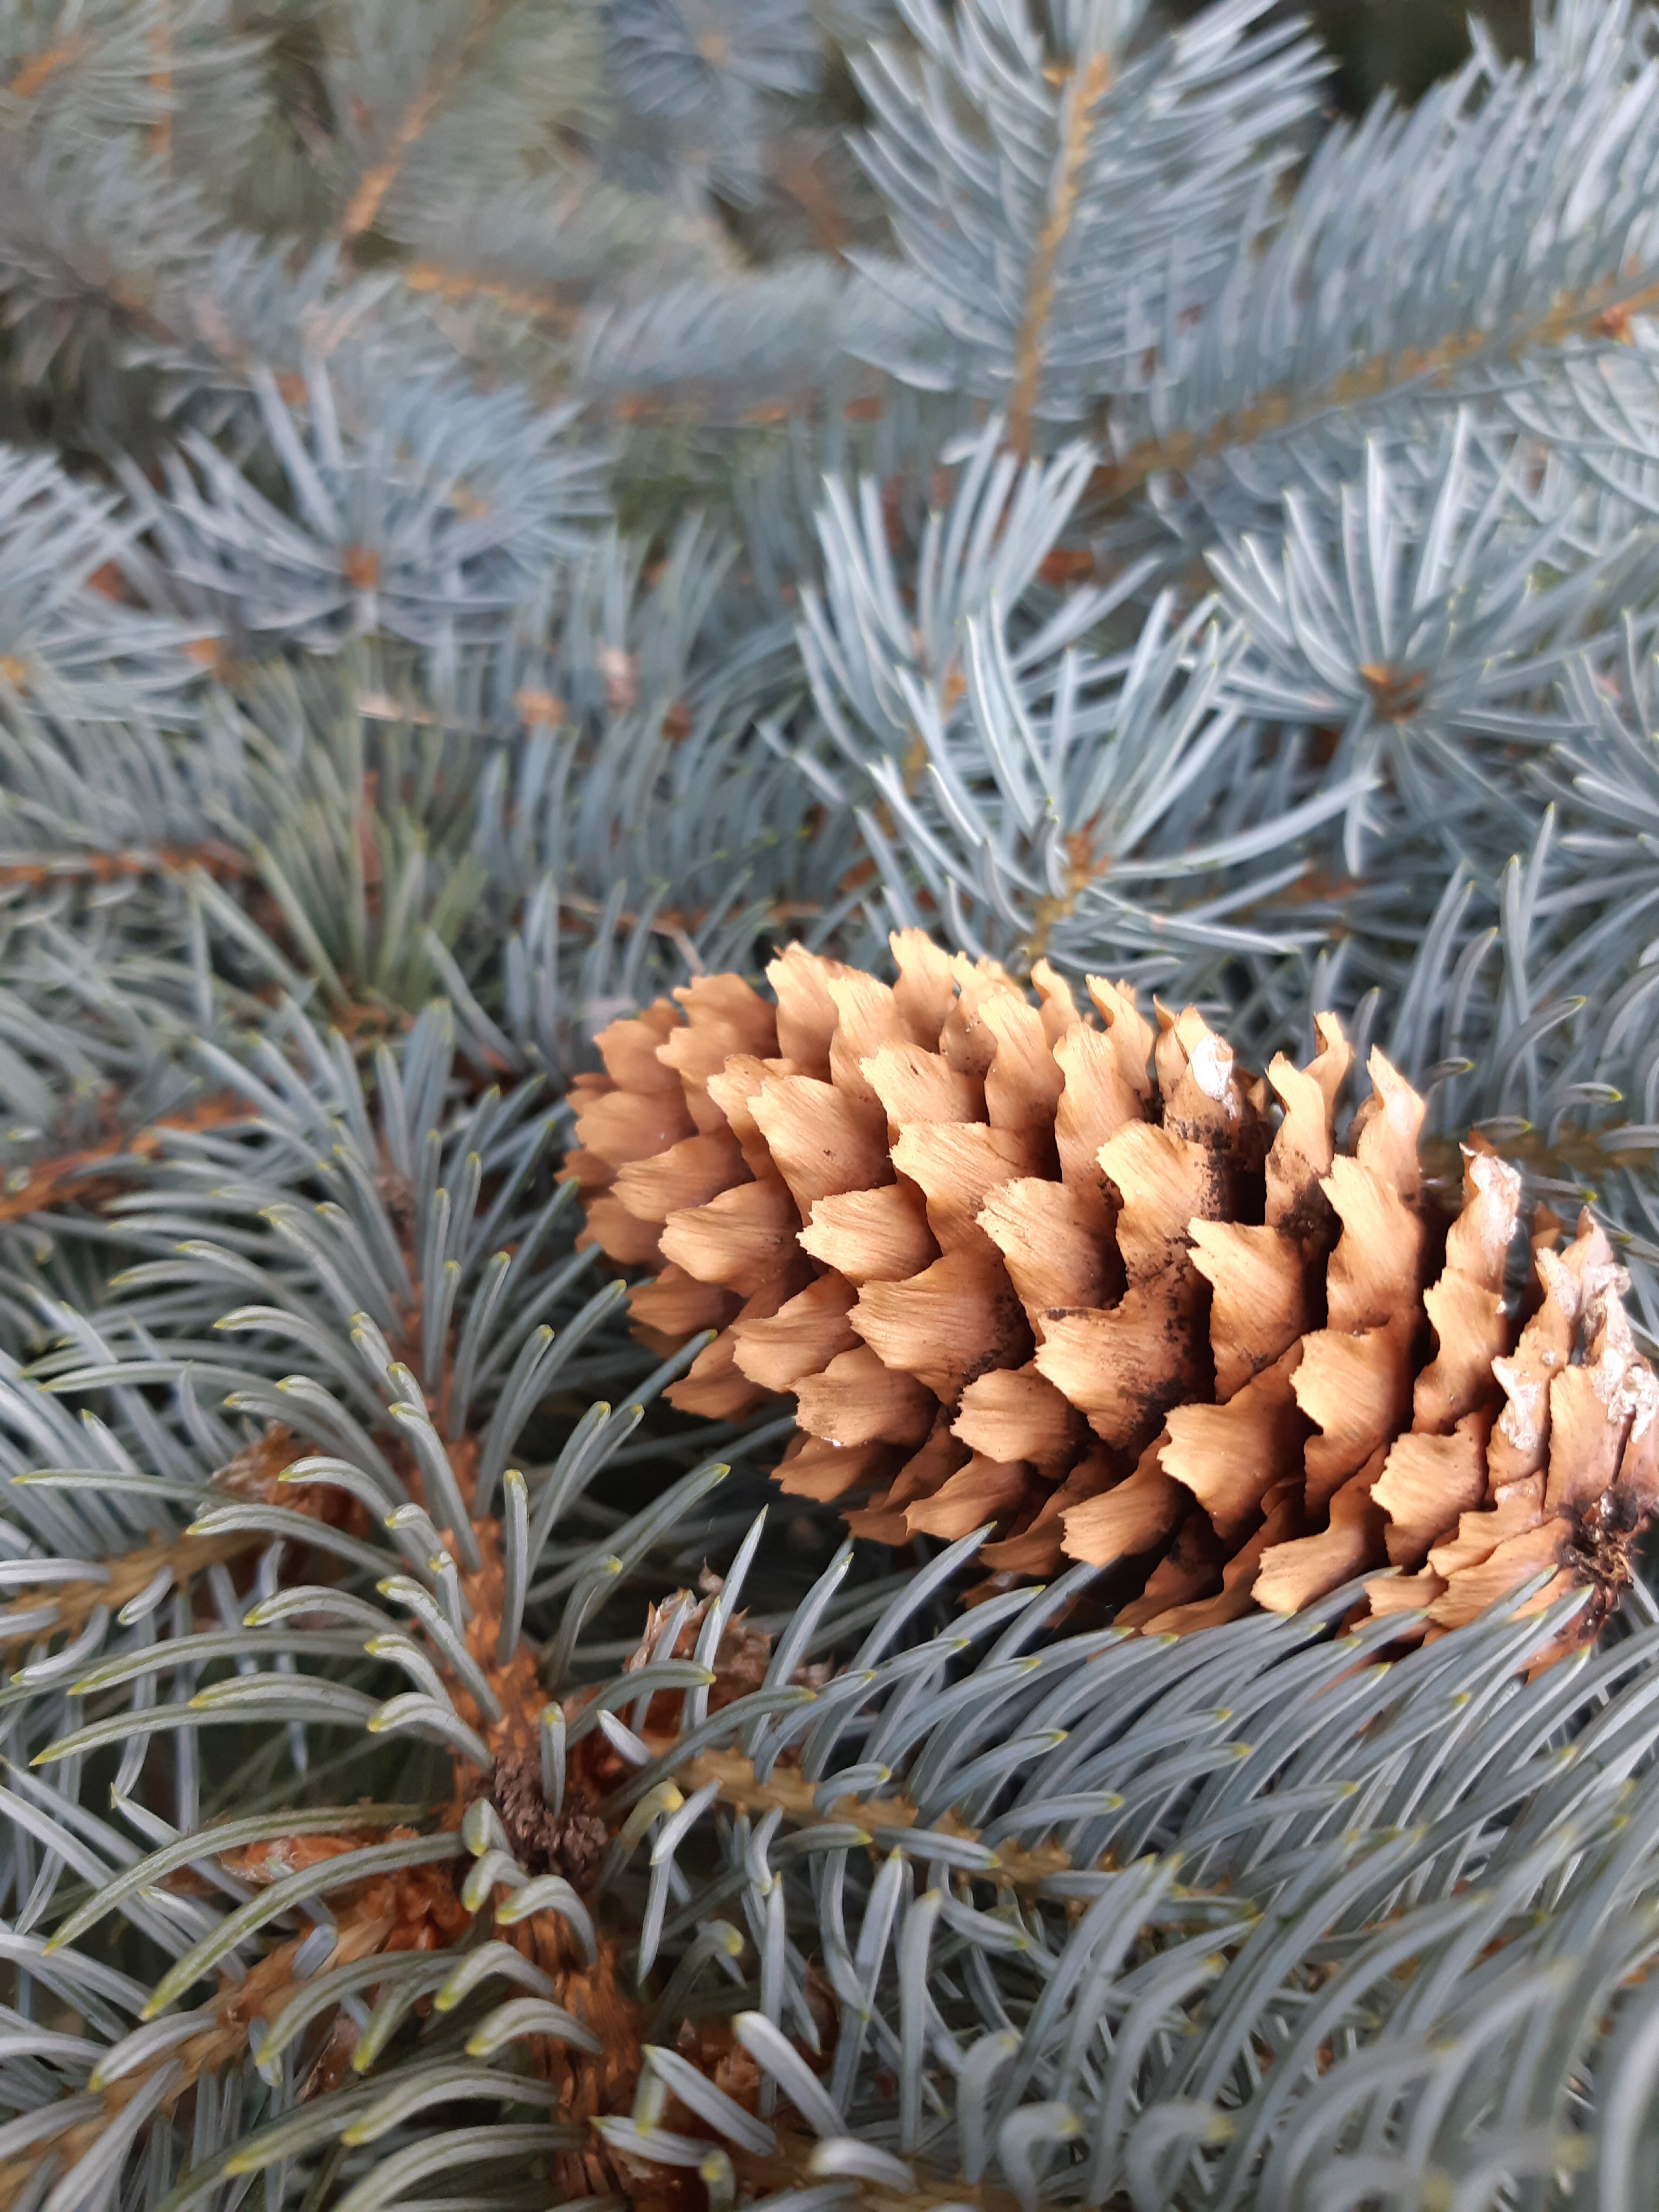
363	207
161	83
216	860
40	68
1082	96
1080	873
51	1182
74	1602
545	304
788	1791
252	1474
1604	312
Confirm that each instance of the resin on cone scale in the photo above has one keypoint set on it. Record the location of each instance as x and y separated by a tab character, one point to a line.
1082	1277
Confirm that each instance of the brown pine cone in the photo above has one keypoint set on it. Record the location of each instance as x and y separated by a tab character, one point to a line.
1082	1280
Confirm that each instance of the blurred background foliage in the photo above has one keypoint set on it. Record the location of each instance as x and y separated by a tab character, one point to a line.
1403	45
1400	46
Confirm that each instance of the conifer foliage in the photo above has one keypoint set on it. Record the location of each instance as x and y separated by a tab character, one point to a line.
668	668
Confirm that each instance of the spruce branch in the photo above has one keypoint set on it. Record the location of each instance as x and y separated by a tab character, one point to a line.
362	208
1087	85
31	76
72	1604
214	858
1603	311
94	1171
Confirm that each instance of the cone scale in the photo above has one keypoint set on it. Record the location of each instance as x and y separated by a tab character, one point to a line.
1080	1276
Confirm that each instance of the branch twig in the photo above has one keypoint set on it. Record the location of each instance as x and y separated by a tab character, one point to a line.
1083	95
50	1182
363	207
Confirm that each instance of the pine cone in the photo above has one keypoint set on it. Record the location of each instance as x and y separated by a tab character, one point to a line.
1080	1280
